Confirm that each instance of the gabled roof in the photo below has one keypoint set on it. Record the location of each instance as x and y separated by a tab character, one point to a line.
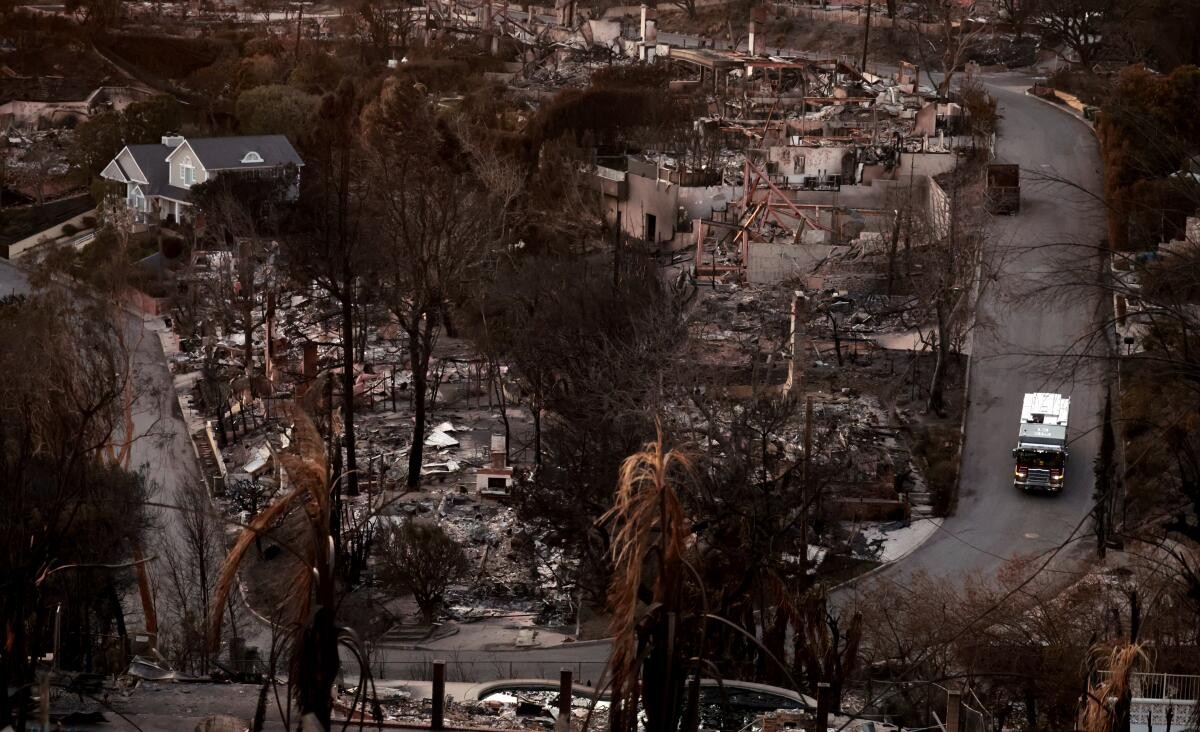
114	171
227	153
125	172
149	160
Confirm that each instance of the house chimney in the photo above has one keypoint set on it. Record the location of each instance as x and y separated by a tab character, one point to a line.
649	33
565	9
499	452
309	368
758	15
172	141
796	382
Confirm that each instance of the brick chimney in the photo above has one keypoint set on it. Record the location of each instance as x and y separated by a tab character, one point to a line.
499	452
796	381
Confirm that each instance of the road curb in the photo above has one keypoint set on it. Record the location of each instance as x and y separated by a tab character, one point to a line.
1067	111
850	583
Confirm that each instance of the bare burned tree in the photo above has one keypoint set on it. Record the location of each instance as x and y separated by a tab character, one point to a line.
332	251
1028	652
953	40
590	360
69	510
382	26
240	214
434	223
1080	25
1019	13
422	560
192	565
945	291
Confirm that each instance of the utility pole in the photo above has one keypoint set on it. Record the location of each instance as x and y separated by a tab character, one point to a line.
866	36
805	487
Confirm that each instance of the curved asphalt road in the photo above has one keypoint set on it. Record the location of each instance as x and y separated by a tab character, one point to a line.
1027	320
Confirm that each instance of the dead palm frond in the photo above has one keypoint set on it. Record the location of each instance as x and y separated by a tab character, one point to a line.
1108	699
649	534
306	471
309	609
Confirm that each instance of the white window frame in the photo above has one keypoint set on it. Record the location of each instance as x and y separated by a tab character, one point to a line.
187	171
252	157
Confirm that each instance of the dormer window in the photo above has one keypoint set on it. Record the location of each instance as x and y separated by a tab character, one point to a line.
187	171
252	157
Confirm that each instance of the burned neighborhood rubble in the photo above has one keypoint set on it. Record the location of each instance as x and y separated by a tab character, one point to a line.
509	330
466	479
806	209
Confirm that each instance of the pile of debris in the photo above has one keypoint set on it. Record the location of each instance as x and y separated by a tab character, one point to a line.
504	711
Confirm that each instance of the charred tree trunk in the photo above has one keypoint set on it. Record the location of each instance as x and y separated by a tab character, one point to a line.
537	433
837	336
420	340
893	247
351	481
937	383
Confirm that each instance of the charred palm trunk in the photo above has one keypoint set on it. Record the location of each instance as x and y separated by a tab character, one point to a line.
315	666
16	674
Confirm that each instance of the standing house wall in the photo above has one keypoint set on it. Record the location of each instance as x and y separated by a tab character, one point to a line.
926	164
648	196
937	205
699	201
641	195
812	160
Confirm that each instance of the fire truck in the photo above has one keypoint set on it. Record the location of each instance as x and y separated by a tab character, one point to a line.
1041	451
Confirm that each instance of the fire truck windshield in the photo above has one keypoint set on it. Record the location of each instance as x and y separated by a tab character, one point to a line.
1040	459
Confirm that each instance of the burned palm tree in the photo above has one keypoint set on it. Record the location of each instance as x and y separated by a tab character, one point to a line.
647	594
309	621
1108	702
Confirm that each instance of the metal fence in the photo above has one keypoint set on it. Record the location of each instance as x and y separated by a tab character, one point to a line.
1163	686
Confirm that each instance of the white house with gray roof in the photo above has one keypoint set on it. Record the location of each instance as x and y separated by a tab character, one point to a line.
158	177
